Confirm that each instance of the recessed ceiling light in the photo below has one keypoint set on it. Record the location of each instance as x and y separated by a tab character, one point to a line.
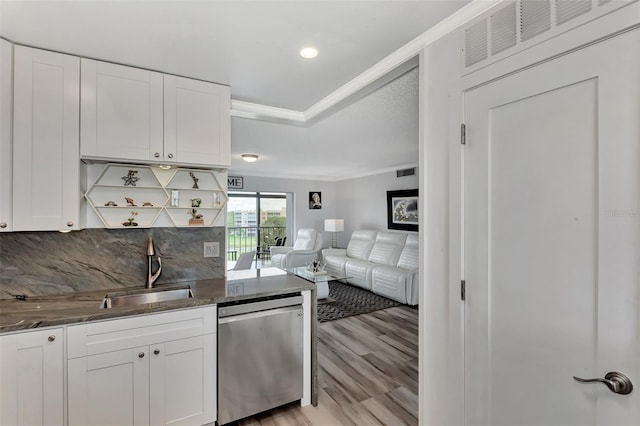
309	53
249	158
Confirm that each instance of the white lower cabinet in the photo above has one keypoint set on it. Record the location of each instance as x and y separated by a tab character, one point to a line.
151	370
31	378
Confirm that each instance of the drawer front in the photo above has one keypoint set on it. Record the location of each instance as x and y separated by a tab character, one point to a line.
114	335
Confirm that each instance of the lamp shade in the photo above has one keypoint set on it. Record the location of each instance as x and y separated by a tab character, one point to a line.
334	225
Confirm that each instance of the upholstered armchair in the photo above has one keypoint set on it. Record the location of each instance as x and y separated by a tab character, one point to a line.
306	247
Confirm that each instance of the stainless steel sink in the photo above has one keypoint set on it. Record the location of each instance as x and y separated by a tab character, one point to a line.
122	299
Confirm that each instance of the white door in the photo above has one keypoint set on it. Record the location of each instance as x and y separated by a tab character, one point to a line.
46	116
6	109
196	122
552	240
121	112
31	378
109	389
182	382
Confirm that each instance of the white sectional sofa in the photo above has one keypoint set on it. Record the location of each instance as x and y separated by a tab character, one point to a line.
385	263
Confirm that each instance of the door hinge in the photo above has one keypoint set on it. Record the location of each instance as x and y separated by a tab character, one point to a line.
463	134
463	290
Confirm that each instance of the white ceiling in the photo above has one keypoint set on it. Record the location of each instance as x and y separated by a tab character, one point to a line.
253	47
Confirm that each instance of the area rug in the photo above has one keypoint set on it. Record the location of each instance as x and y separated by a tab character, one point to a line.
346	300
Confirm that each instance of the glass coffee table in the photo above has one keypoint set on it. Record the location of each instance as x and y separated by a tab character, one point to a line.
321	280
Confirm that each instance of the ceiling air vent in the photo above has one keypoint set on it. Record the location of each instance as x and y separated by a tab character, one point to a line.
475	43
566	10
406	172
503	29
535	18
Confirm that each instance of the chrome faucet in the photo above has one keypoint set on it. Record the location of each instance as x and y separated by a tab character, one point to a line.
151	278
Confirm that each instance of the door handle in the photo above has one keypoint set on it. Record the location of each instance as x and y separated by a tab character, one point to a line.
616	382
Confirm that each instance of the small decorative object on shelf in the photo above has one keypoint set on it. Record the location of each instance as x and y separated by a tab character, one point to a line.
110	204
175	198
147	204
195	180
196	218
130	201
130	178
316	267
216	200
132	219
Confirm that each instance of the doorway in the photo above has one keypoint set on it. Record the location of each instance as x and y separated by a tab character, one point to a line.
255	221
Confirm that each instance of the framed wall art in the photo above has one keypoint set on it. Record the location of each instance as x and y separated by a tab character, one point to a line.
402	210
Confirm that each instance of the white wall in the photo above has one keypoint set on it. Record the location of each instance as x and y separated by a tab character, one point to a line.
440	361
302	215
362	202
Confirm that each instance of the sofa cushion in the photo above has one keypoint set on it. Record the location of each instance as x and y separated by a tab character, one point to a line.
395	283
305	239
359	272
409	255
361	244
387	248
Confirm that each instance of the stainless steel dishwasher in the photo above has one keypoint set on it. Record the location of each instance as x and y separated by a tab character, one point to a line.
259	356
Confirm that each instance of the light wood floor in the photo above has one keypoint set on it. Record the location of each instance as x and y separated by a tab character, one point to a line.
367	374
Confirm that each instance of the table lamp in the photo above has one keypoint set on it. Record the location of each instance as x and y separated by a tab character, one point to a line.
335	226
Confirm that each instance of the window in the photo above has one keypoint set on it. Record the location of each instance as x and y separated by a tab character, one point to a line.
255	221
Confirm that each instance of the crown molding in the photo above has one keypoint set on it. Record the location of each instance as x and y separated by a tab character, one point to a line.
285	175
370	79
265	112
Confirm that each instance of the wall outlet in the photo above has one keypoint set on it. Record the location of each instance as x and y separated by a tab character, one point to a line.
211	249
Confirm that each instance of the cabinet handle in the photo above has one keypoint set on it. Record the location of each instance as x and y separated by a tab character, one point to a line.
157	154
170	155
3	225
141	355
156	352
52	338
69	223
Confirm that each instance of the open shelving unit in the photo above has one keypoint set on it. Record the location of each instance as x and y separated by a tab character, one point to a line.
210	192
148	189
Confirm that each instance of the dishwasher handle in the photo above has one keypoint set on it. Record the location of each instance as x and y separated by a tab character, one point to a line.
262	305
260	314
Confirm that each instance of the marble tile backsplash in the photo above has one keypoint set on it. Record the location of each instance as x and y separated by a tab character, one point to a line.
45	263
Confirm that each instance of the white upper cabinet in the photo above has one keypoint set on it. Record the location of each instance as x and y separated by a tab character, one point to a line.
46	165
196	122
121	112
6	91
130	114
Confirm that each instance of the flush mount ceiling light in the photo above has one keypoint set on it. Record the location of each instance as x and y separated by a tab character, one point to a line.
309	53
249	158
164	166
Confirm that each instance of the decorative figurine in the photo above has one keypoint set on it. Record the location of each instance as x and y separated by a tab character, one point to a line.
130	178
131	221
110	204
147	204
316	267
130	202
195	180
196	218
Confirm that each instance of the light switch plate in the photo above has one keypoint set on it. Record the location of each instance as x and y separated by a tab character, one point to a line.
211	249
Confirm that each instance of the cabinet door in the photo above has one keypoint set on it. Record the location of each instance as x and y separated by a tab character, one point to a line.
6	90
196	122
121	112
31	378
46	172
182	381
110	388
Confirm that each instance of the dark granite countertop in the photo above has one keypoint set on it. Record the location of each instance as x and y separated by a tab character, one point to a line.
57	310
